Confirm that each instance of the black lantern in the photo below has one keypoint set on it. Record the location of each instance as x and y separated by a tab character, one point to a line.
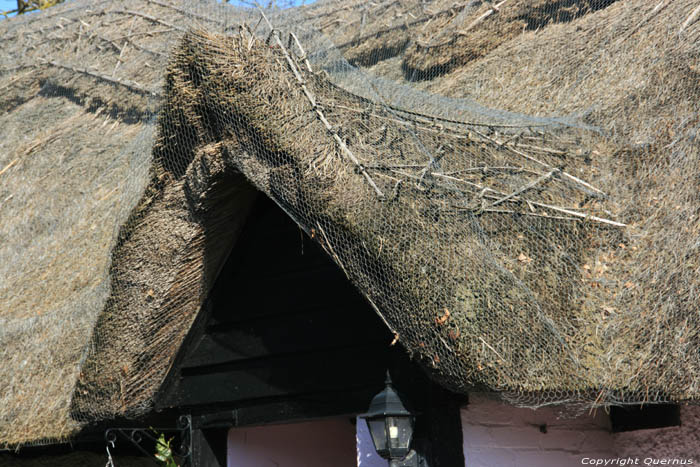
390	425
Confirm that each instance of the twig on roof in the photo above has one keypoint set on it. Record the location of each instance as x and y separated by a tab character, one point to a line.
492	349
588	187
691	19
483	191
124	47
524	188
14	68
525	213
126	83
399	166
485	169
9	166
151	18
8	198
128	39
430	16
301	49
381	316
555	152
326	244
188	13
568	211
432	164
444	342
580	215
144	33
317	109
476	22
660	6
431	119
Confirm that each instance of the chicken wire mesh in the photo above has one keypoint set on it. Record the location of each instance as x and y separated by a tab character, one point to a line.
512	185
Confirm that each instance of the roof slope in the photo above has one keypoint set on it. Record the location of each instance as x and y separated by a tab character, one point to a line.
518	256
537	235
631	69
79	95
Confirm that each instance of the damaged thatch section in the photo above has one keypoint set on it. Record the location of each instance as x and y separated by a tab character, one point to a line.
412	209
632	70
480	28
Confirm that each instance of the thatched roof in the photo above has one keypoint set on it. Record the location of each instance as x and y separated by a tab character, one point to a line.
544	255
79	87
631	69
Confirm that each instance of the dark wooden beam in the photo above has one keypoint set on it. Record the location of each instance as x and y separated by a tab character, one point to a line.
303	407
209	447
290	374
319	329
644	417
439	429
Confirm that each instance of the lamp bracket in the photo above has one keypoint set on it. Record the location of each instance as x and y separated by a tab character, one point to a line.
411	460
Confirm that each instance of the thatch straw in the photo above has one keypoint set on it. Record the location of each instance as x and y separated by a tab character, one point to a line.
77	106
551	257
545	313
441	48
271	127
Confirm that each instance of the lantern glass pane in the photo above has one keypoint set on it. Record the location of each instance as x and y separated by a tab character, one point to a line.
400	431
377	429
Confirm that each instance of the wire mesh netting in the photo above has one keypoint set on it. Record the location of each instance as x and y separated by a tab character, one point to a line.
512	185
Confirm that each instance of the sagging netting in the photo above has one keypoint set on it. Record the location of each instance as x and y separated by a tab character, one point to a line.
512	185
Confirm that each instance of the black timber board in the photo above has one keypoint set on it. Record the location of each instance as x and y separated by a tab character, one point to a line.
275	376
286	333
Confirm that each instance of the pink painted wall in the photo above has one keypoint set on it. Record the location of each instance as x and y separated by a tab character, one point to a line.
328	443
495	435
499	434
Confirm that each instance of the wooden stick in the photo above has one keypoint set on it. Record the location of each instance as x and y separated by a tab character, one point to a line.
127	84
524	188
660	6
690	19
534	203
538	148
431	119
543	205
544	164
303	54
188	13
494	9
580	215
316	108
492	349
503	168
330	250
151	18
8	166
532	214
